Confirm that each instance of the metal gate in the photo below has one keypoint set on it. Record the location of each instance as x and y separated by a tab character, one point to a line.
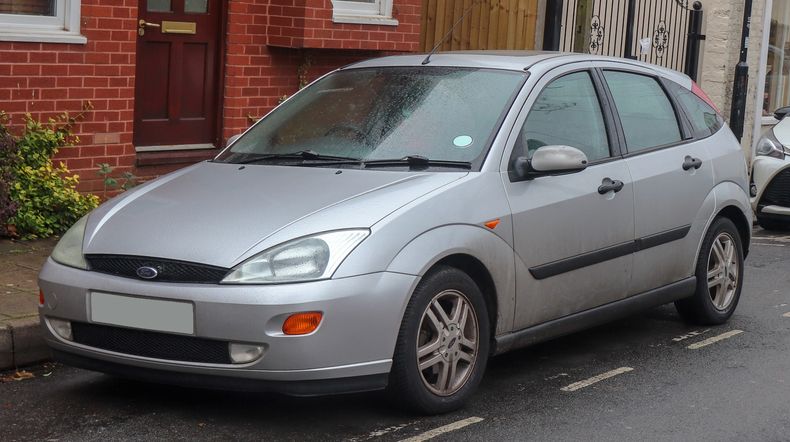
662	32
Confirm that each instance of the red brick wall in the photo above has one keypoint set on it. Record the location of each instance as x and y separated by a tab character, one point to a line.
46	79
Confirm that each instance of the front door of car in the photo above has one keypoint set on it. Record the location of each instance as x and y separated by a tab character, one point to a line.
573	238
672	173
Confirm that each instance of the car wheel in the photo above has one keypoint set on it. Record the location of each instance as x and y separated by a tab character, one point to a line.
772	224
443	344
719	276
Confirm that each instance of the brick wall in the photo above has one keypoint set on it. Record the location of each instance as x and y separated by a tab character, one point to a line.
46	79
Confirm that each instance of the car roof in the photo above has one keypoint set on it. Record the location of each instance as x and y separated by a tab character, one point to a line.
531	61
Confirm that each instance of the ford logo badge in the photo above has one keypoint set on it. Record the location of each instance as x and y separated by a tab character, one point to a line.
146	272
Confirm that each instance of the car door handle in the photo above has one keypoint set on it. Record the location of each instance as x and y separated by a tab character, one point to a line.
690	162
608	185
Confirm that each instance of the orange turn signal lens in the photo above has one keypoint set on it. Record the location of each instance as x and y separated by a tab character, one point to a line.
302	323
492	224
41	298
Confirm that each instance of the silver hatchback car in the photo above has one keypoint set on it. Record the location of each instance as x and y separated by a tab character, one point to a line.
397	222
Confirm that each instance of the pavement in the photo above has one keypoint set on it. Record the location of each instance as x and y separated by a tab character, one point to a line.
20	339
647	377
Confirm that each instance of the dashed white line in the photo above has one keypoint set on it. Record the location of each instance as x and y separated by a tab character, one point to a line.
430	434
690	335
768	244
714	339
786	315
595	379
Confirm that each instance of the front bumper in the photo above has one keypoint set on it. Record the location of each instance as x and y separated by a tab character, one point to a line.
771	179
355	340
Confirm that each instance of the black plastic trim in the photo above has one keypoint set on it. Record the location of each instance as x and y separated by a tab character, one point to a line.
595	316
564	265
292	388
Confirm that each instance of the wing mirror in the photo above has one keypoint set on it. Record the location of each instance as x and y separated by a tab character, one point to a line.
233	139
781	112
550	160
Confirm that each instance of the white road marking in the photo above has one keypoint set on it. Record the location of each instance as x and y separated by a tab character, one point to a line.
768	244
690	334
714	339
587	382
430	434
786	315
381	432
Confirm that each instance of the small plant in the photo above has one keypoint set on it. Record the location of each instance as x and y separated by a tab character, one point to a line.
8	161
45	197
126	181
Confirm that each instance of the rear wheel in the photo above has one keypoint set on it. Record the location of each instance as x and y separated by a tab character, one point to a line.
443	344
719	276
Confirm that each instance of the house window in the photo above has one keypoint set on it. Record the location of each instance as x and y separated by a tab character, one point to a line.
777	70
55	21
378	12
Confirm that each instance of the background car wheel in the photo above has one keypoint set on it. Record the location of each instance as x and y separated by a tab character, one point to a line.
443	344
772	224
719	276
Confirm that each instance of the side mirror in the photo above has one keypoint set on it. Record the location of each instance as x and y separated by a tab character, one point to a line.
550	160
233	139
781	112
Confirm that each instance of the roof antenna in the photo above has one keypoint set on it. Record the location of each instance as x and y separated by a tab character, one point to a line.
452	28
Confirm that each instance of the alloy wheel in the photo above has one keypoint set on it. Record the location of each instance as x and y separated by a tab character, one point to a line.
723	268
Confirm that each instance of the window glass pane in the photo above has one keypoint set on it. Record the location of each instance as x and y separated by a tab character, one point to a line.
196	6
28	7
567	112
646	113
159	5
777	70
704	119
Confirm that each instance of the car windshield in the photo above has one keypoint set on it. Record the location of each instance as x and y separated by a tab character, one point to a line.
369	114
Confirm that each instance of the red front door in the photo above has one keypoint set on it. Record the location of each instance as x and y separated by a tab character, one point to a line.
177	85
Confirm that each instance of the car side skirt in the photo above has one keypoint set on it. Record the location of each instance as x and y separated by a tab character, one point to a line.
595	316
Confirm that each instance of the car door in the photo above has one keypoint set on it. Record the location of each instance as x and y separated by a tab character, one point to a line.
672	176
572	242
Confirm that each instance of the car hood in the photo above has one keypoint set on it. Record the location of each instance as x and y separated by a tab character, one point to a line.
219	214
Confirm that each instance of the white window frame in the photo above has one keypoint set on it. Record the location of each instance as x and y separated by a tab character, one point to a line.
64	27
377	13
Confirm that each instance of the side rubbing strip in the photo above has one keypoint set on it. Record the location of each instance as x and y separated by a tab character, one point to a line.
564	265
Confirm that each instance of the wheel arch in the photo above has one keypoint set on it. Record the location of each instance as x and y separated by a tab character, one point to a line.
737	217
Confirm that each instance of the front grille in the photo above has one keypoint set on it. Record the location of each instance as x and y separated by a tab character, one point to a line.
168	270
151	344
778	191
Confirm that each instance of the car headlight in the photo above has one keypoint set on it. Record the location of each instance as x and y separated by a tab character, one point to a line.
771	147
304	259
68	251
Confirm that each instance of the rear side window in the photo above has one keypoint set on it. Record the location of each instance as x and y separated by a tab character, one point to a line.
704	119
645	111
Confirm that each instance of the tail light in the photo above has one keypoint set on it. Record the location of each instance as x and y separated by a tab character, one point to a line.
696	90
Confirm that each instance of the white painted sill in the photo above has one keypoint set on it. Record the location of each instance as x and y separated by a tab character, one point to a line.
364	19
44	37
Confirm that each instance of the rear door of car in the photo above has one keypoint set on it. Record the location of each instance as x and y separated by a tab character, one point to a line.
672	173
573	244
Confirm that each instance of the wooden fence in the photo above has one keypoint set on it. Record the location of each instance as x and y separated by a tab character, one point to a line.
491	24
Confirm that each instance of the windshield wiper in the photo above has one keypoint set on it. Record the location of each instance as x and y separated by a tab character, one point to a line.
300	155
417	162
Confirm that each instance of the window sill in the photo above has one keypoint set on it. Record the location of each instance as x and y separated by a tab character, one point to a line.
43	37
768	121
365	19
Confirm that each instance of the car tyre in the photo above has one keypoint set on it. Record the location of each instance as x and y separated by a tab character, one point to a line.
446	331
719	275
772	224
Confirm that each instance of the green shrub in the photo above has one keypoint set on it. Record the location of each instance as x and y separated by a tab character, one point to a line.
46	197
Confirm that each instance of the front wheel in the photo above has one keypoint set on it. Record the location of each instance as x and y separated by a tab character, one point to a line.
443	344
719	276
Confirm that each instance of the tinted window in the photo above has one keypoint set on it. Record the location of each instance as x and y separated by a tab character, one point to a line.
704	119
567	112
645	111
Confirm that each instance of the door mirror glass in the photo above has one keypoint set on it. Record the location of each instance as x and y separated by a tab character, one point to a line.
233	139
781	112
551	160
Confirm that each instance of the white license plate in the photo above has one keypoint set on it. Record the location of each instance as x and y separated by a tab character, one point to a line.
144	313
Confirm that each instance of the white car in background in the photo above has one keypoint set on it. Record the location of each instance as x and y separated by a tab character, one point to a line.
770	187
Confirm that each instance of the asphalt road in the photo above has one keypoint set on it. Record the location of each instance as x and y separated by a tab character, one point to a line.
735	388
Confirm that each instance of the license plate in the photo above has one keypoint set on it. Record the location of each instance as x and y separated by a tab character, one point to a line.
144	313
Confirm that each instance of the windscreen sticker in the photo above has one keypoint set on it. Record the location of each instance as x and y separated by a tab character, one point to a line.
462	141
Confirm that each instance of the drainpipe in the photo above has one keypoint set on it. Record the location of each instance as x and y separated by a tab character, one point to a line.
741	83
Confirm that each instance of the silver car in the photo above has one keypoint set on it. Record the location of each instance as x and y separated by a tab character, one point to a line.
402	219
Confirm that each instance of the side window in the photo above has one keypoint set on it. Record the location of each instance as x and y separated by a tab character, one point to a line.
704	119
645	111
567	112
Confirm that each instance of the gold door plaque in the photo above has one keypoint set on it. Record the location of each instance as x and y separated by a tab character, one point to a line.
179	27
